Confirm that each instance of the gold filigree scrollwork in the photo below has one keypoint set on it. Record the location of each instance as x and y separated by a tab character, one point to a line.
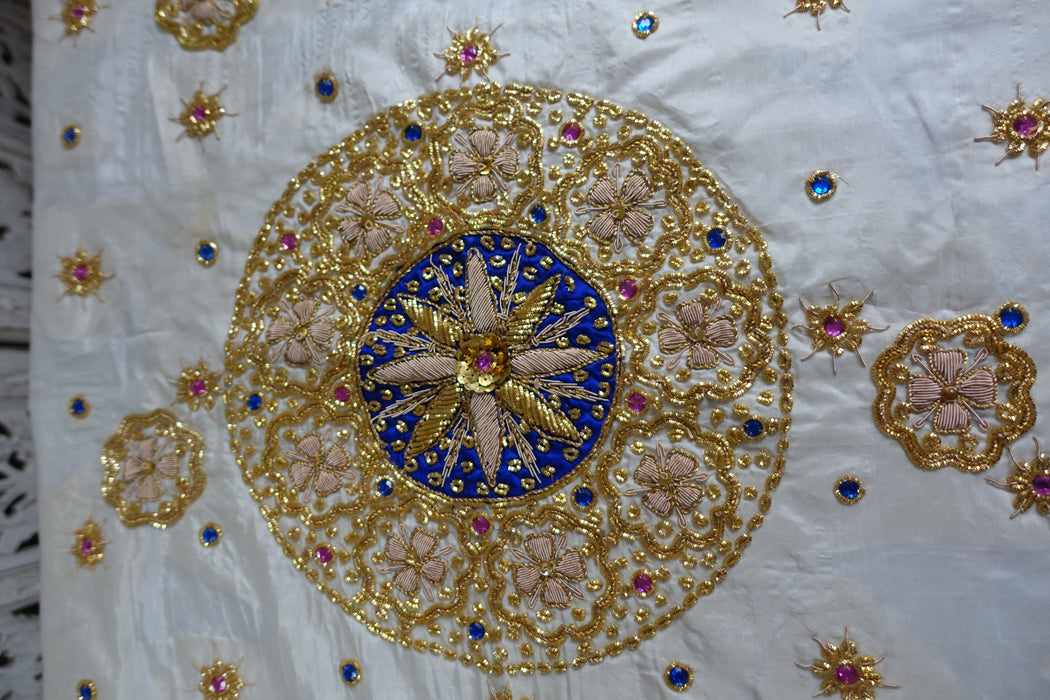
204	24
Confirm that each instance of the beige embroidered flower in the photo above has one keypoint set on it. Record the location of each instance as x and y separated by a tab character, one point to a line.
148	468
698	334
205	11
486	167
317	467
622	209
416	560
549	571
369	213
950	393
301	332
670	483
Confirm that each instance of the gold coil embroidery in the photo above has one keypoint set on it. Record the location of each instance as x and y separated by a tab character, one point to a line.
835	328
204	24
842	669
1029	482
1021	126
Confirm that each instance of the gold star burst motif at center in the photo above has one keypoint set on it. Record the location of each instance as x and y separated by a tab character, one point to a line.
82	274
843	670
77	15
836	328
201	115
1021	126
816	8
482	364
1030	483
470	51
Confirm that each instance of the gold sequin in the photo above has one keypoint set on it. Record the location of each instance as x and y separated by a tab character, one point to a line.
82	274
201	115
841	669
470	51
197	386
1021	126
89	546
1030	483
221	680
204	24
835	328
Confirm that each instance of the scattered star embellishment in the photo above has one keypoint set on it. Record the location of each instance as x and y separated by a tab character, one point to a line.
504	694
89	546
835	328
201	115
1022	127
82	274
816	8
197	386
221	680
843	671
77	15
1030	482
470	51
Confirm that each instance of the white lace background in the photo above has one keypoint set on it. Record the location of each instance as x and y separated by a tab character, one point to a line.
927	569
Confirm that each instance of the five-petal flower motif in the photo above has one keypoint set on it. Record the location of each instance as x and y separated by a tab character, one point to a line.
623	209
369	212
670	483
301	332
485	167
318	468
1022	127
950	393
416	561
549	570
146	470
698	334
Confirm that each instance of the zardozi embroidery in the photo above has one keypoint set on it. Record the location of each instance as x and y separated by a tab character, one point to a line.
843	670
78	15
82	274
1021	127
816	8
470	51
835	328
1029	482
204	24
200	116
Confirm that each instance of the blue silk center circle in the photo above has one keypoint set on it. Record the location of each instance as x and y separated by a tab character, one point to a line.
489	388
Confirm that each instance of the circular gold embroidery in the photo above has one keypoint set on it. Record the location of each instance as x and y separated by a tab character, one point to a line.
507	390
204	24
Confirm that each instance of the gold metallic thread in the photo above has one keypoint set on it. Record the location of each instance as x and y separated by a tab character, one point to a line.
204	24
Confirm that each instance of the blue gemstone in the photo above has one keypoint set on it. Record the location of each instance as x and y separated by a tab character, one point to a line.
85	692
78	406
325	87
413	132
360	292
583	497
69	136
209	535
821	185
678	676
849	489
206	252
349	673
753	428
477	630
644	24
1011	317
384	487
254	402
538	214
716	238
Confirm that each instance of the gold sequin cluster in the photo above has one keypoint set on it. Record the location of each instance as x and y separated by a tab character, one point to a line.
204	24
651	518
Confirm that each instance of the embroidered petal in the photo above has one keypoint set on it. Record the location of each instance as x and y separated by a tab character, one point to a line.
279	330
416	368
978	387
550	361
133	466
483	141
658	501
721	332
647	473
462	166
432	321
637	223
320	332
923	392
531	406
148	488
680	465
671	338
407	580
691	313
168	466
376	239
310	445
423	542
947	363
951	417
688	496
506	163
526	316
527	579
483	188
386	206
434	570
441	411
295	353
603	227
303	310
488	434
702	357
571	566
480	301
556	594
635	190
602	194
540	547
301	473
396	551
337	459
326	483
357	198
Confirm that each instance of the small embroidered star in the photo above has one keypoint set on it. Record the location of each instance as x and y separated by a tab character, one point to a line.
1030	481
816	8
89	547
196	386
82	274
836	329
1022	127
201	115
842	670
221	681
77	16
470	51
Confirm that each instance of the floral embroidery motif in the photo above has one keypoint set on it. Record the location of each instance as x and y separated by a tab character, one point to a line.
816	8
836	329
417	561
485	168
670	483
549	571
301	332
204	24
843	670
77	15
1030	482
197	386
1022	127
89	546
953	393
470	51
318	468
201	115
82	274
622	209
366	227
221	680
698	335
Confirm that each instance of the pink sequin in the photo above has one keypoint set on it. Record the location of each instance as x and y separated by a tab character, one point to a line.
86	546
643	583
323	554
342	394
435	226
81	272
834	326
637	402
78	11
847	674
1026	125
199	387
199	113
480	524
1041	485
469	53
571	132
484	361
289	242
218	684
628	289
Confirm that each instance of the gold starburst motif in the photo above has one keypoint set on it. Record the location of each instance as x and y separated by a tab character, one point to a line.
1030	483
843	670
204	24
201	115
505	694
197	386
470	51
77	15
221	680
836	328
89	546
1021	126
816	8
82	274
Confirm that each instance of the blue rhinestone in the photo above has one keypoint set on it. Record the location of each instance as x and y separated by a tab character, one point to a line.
349	673
360	292
644	24
849	489
413	132
69	136
821	185
78	406
325	87
209	535
1011	317
753	427
716	238
206	252
85	692
678	676
384	487
538	214
583	497
254	402
477	630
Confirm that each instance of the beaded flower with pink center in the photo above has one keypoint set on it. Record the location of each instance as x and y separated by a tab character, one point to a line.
82	274
836	328
1030	482
1020	126
816	8
470	51
77	15
843	670
201	114
221	680
197	386
89	546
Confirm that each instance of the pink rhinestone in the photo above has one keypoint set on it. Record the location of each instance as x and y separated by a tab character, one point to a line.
480	524
218	684
289	242
199	387
469	53
199	113
342	394
1041	485
628	289
1025	125
834	326
484	361
323	554
78	11
81	272
435	226
643	583
637	402
847	674
86	546
570	132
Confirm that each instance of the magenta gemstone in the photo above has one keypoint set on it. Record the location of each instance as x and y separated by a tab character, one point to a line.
86	545
484	361
637	402
289	242
81	272
199	387
435	226
199	113
78	11
342	394
218	684
628	289
323	554
1041	485
468	53
847	674
570	132
1026	125
834	326
643	583
480	524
